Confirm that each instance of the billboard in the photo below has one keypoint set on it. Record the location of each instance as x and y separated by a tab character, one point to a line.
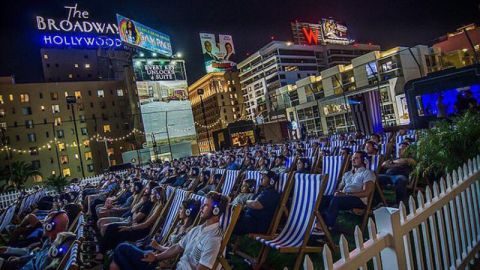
218	56
334	32
159	70
139	35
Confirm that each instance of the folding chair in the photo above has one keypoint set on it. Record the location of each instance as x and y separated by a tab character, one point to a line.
308	191
334	167
156	226
179	196
70	260
227	222
256	175
228	182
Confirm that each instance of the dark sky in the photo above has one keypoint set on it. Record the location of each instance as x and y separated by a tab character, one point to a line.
388	23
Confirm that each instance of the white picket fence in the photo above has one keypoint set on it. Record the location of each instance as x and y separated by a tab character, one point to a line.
440	231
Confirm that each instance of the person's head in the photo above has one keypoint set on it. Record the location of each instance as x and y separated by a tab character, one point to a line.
228	47
359	159
208	46
158	194
371	148
72	210
126	184
216	178
205	175
279	161
194	171
215	206
189	209
55	223
302	164
59	248
269	179
345	151
403	148
137	187
375	138
248	186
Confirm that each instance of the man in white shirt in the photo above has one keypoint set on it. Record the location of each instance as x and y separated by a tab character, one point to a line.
200	246
352	192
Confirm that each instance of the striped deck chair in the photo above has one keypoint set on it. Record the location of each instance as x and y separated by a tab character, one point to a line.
7	217
179	196
256	175
70	261
307	193
382	148
170	190
333	166
309	152
219	171
227	222
228	182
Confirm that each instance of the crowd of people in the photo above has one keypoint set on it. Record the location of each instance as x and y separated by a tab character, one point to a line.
123	210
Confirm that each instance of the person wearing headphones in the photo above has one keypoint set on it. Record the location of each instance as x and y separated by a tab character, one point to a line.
58	250
259	211
371	148
247	190
129	256
55	223
352	192
200	246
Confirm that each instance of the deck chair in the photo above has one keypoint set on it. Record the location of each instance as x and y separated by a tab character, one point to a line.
308	191
228	182
179	196
71	258
256	175
227	222
202	200
170	191
7	217
334	167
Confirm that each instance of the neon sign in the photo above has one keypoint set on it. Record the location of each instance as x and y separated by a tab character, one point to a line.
311	35
80	41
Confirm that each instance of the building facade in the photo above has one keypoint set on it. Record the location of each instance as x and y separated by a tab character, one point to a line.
42	129
323	103
281	63
223	102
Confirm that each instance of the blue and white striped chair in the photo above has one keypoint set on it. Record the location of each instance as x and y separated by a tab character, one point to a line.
256	175
333	167
227	222
179	196
229	181
7	217
200	198
382	148
308	190
374	162
170	190
72	262
282	182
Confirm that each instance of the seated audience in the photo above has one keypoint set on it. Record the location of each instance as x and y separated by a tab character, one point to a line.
247	191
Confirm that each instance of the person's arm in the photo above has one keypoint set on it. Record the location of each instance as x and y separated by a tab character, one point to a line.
147	223
255	204
169	253
368	188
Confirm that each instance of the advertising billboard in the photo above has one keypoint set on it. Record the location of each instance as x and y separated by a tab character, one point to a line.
159	70
139	35
334	32
218	56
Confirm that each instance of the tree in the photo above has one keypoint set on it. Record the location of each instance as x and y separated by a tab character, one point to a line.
58	182
21	172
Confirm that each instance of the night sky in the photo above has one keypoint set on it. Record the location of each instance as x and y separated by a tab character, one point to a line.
388	23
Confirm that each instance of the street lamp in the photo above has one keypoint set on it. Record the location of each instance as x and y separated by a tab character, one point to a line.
71	100
200	92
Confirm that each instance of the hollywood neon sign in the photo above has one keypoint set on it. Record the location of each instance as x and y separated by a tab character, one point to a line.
80	41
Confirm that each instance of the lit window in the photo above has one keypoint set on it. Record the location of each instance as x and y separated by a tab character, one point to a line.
1	99
84	131
42	108
70	75
31	137
55	108
87	65
28	123
76	65
66	93
45	56
88	155
110	151
86	143
100	93
78	94
53	172
2	112
106	128
37	178
10	97
54	96
66	172
120	92
58	121
60	133
76	156
61	146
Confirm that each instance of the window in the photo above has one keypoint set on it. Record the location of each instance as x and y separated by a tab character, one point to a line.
33	151
106	128
66	93
31	137
66	172
90	167
45	56
84	131
60	133
47	135
86	143
110	152
89	93
27	111
28	123
40	95
61	147
24	98
76	65
120	92
78	94
55	108
2	113
54	96
87	65
70	75
17	137
10	97
88	155
42	108
64	159
82	118
100	93
1	99
58	121
36	164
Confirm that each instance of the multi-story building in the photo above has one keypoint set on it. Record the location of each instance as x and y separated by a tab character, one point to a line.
280	63
68	65
454	50
223	102
323	103
42	129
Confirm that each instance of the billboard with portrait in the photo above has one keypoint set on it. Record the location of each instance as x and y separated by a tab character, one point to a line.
139	35
334	32
218	56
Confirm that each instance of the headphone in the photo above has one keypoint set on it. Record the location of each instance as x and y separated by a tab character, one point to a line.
189	210
50	223
60	250
272	181
216	208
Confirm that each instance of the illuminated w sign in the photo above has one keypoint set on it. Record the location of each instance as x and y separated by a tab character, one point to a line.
310	35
